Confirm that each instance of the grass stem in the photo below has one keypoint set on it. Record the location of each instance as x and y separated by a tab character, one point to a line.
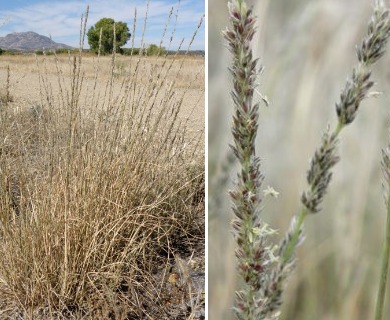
290	249
386	252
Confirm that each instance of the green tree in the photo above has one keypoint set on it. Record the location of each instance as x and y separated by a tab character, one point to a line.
107	26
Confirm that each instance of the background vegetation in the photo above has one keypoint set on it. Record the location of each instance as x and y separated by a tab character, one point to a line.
105	26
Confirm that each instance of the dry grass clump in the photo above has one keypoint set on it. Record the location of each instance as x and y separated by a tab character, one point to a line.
99	191
5	96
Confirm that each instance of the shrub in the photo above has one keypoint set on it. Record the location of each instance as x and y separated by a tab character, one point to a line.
154	50
129	51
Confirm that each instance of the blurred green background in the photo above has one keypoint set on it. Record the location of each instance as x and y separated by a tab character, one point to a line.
308	51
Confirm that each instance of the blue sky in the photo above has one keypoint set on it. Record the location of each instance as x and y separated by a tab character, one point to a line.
61	19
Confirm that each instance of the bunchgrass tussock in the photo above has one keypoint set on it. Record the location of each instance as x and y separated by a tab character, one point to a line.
101	187
264	271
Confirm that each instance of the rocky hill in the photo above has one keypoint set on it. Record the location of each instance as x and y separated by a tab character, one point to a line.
29	41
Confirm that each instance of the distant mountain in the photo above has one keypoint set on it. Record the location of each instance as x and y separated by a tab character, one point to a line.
29	41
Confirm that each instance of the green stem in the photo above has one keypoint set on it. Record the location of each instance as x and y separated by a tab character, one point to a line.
385	268
295	237
338	129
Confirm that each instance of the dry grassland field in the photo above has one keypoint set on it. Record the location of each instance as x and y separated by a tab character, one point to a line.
308	50
189	80
101	187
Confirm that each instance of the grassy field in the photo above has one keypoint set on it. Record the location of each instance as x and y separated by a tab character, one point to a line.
101	187
186	73
308	51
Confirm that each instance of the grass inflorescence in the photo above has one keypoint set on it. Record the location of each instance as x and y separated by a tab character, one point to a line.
249	230
264	271
356	89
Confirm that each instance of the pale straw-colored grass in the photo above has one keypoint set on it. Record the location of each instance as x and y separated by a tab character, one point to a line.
101	186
